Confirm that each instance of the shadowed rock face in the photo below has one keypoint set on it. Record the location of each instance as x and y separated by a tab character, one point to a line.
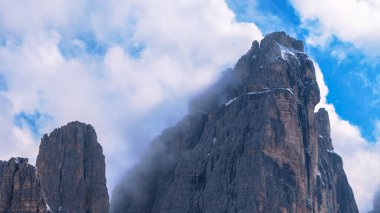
254	146
20	189
71	166
376	203
333	191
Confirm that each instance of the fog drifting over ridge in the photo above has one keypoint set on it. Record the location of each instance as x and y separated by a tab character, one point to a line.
129	71
129	76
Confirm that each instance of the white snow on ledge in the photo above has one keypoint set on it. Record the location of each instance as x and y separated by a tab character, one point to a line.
259	92
266	90
269	90
331	151
286	89
289	54
230	101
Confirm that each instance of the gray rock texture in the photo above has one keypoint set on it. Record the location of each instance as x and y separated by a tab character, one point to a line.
333	191
251	143
71	166
20	189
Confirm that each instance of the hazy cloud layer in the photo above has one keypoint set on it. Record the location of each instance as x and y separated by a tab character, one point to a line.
126	67
129	68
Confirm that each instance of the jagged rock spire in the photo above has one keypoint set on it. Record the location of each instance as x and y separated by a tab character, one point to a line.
71	166
251	146
20	189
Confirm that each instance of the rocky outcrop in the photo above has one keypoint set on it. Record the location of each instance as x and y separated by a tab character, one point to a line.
255	145
71	166
333	192
20	189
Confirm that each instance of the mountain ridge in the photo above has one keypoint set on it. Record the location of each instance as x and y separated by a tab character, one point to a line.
249	144
69	176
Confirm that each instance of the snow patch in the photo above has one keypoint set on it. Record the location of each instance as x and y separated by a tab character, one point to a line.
286	89
289	54
230	101
259	92
331	151
48	207
266	90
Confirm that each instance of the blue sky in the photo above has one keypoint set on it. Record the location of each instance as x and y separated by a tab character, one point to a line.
129	68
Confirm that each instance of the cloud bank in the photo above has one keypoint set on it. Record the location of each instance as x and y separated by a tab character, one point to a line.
361	158
126	67
129	68
354	21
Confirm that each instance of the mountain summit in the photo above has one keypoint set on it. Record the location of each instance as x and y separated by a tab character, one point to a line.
71	166
69	178
251	143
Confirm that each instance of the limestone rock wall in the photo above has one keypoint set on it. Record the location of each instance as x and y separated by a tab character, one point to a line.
255	146
71	166
20	189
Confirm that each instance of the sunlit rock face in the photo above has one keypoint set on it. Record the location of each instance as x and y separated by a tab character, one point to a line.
71	166
251	143
20	189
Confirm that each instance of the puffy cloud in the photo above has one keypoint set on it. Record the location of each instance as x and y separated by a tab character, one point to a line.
354	21
361	158
134	77
9	132
126	67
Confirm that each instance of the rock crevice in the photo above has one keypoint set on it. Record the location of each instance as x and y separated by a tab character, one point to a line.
20	188
71	175
251	143
71	166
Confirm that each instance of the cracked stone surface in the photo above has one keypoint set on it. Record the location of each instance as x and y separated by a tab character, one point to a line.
251	143
20	189
71	166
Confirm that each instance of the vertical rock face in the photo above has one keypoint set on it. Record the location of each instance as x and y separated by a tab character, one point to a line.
256	145
333	192
20	190
71	166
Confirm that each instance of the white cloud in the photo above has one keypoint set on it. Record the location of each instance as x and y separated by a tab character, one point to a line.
361	159
186	45
354	21
15	142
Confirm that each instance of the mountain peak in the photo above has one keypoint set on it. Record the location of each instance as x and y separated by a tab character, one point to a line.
283	39
71	166
252	143
276	64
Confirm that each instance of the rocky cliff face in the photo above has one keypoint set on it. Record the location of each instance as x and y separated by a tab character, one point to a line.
71	166
252	143
20	189
333	192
